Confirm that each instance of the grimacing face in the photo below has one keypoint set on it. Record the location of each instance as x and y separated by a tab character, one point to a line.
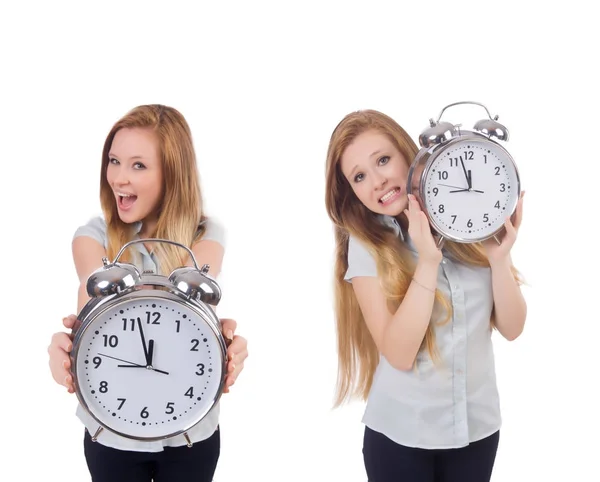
377	173
134	173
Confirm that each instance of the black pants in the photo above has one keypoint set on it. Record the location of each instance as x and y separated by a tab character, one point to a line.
387	461
173	464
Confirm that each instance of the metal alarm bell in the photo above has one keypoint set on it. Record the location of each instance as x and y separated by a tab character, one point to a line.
115	278
437	133
197	284
491	127
112	278
441	132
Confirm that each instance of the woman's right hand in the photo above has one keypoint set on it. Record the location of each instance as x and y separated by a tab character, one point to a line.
419	231
59	349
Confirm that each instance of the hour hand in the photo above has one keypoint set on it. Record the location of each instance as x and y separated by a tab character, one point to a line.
150	352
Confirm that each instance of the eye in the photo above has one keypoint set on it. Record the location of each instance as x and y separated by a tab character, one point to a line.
139	165
359	177
112	160
382	161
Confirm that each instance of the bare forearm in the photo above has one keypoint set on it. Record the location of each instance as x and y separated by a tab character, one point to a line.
509	304
404	333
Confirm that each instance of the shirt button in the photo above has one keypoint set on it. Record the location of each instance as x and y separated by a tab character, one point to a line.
455	287
443	261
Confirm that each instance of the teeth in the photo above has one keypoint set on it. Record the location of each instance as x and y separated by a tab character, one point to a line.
124	195
388	195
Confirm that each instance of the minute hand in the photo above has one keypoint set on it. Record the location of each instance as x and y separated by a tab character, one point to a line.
467	175
139	322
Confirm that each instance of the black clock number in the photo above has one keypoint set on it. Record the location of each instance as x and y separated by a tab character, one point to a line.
195	343
485	158
178	324
497	205
485	218
442	175
200	369
103	387
111	340
435	191
144	413
497	168
454	160
97	361
170	408
156	316
453	218
441	208
122	400
132	320
502	187
469	224
190	392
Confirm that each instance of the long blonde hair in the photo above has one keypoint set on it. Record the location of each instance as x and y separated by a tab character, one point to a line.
180	211
358	356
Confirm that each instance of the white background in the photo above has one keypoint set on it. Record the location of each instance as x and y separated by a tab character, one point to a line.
262	86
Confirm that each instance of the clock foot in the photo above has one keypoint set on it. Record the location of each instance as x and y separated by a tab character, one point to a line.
440	242
187	439
95	436
497	240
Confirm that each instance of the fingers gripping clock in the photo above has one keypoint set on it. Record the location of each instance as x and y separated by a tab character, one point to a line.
149	359
467	183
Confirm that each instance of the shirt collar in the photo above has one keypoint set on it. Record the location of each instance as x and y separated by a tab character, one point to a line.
137	227
392	222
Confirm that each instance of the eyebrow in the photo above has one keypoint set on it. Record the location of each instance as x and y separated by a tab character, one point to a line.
373	154
110	155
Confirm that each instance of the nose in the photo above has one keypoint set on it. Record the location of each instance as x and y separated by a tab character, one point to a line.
119	175
379	181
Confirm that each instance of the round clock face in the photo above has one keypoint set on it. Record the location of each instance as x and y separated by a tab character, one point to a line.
148	367
470	189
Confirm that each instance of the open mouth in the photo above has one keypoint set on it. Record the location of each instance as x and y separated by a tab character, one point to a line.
125	201
390	196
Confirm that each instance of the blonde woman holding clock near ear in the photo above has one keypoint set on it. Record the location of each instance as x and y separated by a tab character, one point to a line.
414	323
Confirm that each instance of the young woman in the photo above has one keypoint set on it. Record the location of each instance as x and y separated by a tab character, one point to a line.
149	188
414	322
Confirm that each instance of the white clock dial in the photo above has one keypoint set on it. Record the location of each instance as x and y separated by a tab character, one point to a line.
149	367
470	189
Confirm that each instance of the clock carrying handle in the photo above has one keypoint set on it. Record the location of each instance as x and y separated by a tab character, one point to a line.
467	102
156	240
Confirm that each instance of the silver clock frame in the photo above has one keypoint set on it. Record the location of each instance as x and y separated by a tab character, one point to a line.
148	286
435	142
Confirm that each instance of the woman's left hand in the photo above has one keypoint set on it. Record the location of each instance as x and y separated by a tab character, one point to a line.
237	352
495	251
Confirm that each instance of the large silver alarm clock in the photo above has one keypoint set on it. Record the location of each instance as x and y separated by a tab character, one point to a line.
465	180
148	358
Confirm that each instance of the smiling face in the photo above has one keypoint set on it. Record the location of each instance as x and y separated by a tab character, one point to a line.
377	173
134	173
